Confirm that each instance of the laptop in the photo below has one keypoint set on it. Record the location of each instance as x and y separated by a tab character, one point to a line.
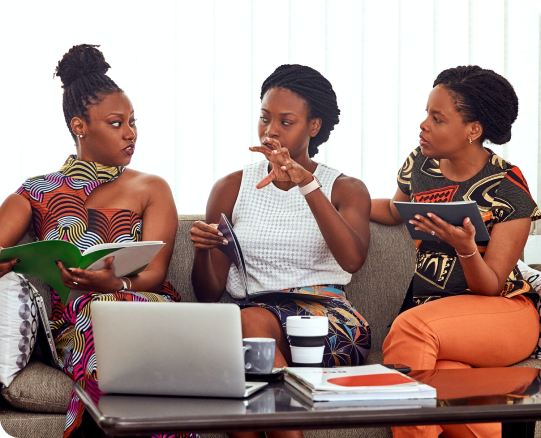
180	349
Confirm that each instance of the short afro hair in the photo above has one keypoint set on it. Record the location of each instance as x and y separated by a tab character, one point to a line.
315	90
484	96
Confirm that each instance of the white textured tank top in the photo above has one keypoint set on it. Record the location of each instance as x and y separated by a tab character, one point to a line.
280	239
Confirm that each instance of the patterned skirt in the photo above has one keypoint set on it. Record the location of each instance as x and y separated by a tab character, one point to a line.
348	341
72	330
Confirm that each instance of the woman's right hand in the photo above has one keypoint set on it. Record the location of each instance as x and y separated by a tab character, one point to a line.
6	267
206	236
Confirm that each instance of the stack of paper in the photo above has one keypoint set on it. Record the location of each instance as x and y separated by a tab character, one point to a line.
369	382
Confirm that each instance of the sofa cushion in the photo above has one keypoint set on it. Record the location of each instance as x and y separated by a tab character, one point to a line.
30	425
378	289
39	388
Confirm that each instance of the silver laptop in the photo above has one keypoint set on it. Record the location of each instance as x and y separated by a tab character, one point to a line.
183	349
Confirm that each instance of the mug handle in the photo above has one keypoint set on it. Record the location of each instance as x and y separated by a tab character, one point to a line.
246	348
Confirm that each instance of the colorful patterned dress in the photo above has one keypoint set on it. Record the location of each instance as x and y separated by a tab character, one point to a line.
58	213
348	341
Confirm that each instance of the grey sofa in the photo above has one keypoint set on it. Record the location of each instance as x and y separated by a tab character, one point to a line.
34	404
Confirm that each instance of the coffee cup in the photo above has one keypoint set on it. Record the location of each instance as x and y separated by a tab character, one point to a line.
307	338
258	355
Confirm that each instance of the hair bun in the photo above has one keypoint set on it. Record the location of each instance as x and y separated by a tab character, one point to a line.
81	60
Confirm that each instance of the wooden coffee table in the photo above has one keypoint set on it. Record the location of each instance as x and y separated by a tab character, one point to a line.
507	395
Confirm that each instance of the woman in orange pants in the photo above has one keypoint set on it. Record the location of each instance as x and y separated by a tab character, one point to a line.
467	305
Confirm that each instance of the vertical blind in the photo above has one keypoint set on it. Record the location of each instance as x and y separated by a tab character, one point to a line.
193	71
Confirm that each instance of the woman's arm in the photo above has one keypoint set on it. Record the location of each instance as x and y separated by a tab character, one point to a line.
15	219
344	221
385	212
160	222
211	266
484	275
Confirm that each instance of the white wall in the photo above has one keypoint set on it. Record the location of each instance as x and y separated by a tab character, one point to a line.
193	71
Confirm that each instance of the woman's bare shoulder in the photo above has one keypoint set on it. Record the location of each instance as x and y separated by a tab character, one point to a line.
223	196
348	185
144	180
229	182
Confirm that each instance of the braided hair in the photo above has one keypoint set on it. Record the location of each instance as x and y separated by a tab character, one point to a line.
82	71
315	90
484	96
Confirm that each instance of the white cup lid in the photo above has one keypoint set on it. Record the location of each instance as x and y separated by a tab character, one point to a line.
307	325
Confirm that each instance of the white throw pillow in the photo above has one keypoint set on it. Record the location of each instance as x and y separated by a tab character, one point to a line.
18	326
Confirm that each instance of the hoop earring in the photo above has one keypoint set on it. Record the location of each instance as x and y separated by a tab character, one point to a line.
470	140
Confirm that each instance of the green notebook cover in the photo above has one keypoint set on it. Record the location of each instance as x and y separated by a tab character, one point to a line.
38	260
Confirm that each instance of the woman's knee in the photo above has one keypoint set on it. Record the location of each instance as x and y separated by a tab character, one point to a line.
259	322
409	323
411	341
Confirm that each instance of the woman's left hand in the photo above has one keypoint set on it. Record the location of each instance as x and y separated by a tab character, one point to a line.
102	280
460	238
283	167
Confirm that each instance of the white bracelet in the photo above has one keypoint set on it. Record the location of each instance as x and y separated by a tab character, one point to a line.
466	256
124	285
310	187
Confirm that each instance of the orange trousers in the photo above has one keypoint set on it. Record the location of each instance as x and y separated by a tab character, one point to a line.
461	332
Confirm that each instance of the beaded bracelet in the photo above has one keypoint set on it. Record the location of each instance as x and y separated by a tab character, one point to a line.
466	256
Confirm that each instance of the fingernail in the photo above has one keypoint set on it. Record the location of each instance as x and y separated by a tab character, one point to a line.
429	214
417	217
17	261
274	151
411	222
220	233
56	261
70	270
224	242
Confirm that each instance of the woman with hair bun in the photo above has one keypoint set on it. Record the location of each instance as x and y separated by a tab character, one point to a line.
94	198
467	304
303	226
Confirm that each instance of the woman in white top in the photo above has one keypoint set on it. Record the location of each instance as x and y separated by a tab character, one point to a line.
296	233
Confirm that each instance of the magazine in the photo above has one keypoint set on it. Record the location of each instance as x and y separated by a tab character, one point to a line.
38	259
234	252
452	212
368	382
299	399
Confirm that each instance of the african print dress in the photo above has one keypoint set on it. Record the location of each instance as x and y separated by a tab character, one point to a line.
58	213
284	250
501	193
